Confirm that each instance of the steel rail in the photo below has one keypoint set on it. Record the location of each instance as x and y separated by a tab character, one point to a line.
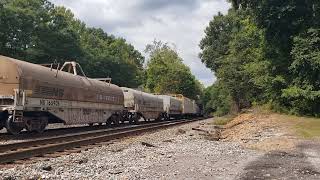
72	136
28	149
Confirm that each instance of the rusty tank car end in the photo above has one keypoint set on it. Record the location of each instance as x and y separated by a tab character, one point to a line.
31	96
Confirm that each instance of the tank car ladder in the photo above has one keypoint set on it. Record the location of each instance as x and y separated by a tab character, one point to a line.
19	103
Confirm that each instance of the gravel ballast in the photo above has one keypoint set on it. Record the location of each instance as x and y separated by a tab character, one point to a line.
174	153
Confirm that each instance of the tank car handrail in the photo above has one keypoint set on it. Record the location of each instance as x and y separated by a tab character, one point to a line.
73	65
84	75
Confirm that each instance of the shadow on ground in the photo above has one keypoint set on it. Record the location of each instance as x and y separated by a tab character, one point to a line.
281	165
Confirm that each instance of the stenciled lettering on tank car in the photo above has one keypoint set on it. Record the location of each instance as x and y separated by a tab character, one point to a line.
51	103
49	91
6	97
101	97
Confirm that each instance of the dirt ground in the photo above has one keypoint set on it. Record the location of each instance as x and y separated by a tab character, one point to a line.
266	132
287	156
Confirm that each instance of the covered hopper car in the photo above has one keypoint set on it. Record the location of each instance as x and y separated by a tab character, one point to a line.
31	96
171	106
140	104
189	106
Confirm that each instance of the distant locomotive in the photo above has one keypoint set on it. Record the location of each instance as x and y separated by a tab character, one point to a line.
33	96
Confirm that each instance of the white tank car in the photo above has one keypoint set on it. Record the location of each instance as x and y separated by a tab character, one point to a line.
171	105
140	104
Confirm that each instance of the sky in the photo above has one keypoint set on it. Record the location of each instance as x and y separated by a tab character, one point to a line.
178	22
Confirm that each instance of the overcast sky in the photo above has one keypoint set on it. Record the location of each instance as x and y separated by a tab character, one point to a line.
181	22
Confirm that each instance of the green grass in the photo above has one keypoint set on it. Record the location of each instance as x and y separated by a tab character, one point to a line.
308	128
304	127
223	120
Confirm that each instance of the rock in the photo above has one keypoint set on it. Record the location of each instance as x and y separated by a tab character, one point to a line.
213	136
9	178
115	172
168	140
201	130
119	149
147	144
218	127
83	160
181	131
36	177
46	167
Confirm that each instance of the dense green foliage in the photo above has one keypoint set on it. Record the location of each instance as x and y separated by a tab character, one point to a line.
304	91
266	52
39	32
166	74
216	99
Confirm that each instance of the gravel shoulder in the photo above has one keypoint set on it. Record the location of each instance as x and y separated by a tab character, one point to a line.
174	153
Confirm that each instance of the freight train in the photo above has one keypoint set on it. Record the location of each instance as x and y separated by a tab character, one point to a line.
33	96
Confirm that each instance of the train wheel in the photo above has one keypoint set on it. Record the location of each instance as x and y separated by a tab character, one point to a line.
135	118
11	127
123	118
36	125
43	125
130	118
109	122
90	124
116	120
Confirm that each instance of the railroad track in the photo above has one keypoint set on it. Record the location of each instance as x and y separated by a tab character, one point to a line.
61	131
39	147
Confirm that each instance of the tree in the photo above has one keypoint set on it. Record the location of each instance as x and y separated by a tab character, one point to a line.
286	24
281	20
111	57
166	74
39	32
267	52
54	38
217	99
303	95
233	49
18	21
215	44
